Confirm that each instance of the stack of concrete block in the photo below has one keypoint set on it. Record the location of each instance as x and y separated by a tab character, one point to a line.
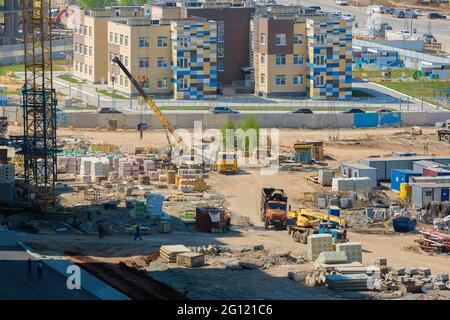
85	166
351	184
72	165
149	165
353	250
331	257
125	169
7	173
190	259
100	167
135	169
318	243
325	177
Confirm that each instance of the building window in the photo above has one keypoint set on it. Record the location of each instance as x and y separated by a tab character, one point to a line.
76	66
298	59
161	63
183	84
90	51
146	84
85	69
85	30
162	83
319	60
263	79
111	57
76	47
162	42
183	63
263	59
280	59
280	79
144	62
183	42
280	39
111	37
121	80
90	31
90	70
121	39
263	39
126	61
126	41
85	50
298	39
126	82
116	38
297	80
143	42
319	81
320	39
121	57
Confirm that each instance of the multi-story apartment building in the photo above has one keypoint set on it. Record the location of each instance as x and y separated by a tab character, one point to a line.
175	56
295	54
90	41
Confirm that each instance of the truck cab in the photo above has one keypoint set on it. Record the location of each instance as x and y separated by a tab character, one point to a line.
227	162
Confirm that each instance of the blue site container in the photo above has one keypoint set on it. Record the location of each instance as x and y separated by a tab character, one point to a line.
334	211
404	224
399	176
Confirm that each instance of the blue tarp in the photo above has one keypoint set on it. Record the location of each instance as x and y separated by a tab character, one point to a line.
365	120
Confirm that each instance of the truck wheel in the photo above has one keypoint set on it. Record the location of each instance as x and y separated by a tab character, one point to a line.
284	227
304	238
266	224
297	235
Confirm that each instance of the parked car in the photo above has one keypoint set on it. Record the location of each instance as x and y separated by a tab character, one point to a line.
219	110
410	13
436	15
108	110
399	14
354	110
303	110
389	10
418	12
317	8
386	26
348	16
377	9
383	110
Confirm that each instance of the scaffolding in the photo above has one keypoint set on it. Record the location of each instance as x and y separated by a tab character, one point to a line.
39	100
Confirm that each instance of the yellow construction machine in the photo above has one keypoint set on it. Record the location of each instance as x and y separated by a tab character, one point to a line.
227	162
313	222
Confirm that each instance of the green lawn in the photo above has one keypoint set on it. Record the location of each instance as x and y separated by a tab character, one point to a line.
256	108
112	94
373	73
58	65
420	88
88	107
69	78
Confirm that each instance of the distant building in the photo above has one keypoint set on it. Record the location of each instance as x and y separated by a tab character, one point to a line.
295	54
10	12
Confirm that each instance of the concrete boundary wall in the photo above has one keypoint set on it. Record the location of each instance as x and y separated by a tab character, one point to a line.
267	120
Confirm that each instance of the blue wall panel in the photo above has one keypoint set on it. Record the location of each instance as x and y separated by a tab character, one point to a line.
366	120
390	119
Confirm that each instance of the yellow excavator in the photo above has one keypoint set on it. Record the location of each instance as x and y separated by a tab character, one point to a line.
168	128
313	222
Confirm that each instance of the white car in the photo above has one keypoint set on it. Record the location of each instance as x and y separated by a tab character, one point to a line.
348	16
341	2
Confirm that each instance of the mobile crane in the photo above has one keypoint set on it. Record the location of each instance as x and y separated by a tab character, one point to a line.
168	128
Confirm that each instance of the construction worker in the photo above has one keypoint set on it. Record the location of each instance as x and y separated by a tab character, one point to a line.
29	265
39	269
137	233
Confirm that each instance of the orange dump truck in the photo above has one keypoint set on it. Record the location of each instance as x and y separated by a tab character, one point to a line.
274	208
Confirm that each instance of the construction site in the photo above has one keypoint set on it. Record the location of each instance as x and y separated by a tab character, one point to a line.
309	214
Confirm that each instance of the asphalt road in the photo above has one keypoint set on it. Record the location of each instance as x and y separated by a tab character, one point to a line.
440	28
15	284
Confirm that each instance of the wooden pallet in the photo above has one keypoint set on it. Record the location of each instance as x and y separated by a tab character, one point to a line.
314	179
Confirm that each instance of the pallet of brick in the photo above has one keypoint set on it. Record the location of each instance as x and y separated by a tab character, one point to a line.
318	243
171	174
169	253
190	259
353	250
72	165
61	164
149	165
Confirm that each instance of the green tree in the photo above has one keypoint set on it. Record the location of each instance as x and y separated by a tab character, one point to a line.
91	4
250	123
229	124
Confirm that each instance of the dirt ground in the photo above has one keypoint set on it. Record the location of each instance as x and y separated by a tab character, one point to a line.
242	194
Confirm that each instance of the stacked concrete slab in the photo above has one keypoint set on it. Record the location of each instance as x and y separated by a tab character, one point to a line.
351	184
318	243
353	250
